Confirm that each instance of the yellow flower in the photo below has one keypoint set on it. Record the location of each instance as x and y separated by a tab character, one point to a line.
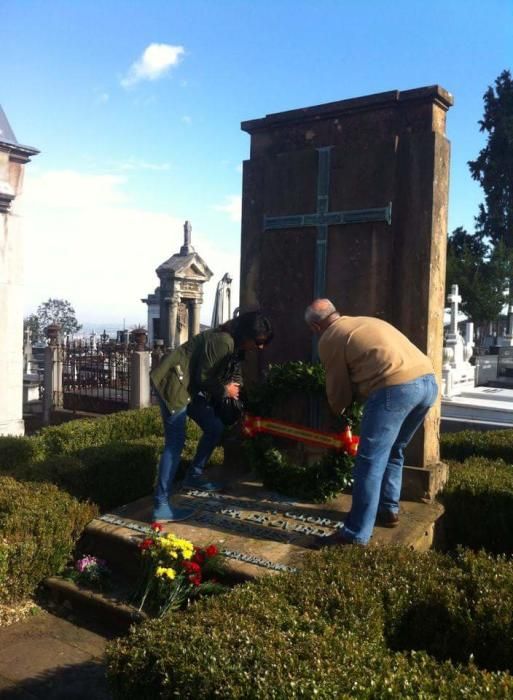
166	572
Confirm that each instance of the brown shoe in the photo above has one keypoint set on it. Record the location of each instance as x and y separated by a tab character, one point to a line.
387	518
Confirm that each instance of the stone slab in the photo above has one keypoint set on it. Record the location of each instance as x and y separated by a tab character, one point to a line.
261	531
482	404
48	657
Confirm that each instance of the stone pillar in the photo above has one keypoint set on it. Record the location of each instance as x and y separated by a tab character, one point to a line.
469	340
140	372
53	395
194	317
13	157
172	317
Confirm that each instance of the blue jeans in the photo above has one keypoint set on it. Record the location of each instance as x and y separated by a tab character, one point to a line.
391	416
203	414
174	439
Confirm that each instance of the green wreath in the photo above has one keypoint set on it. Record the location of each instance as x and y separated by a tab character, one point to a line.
319	481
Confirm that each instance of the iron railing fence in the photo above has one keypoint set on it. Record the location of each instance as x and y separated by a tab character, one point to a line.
95	376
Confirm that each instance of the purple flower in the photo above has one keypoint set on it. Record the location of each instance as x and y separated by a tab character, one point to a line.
89	562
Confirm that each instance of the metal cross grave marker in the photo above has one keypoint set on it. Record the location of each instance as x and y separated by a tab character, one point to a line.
323	218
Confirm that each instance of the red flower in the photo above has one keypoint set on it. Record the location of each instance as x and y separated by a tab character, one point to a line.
191	567
156	527
199	556
195	580
211	550
146	544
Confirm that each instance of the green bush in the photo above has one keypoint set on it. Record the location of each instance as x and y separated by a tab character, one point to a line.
318	482
39	526
478	501
117	427
110	460
109	475
18	452
353	623
119	473
493	444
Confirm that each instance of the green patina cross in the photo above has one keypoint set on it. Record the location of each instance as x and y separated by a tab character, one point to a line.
323	218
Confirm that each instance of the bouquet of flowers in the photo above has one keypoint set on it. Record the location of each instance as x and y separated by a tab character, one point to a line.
89	571
176	571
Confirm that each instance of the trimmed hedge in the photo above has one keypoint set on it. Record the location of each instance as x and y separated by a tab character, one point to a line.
111	460
353	623
18	452
109	475
39	526
478	501
117	427
493	444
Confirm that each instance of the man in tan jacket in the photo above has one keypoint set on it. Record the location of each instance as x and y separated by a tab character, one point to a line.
369	360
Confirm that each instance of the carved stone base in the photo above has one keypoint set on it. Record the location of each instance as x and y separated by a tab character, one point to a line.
12	427
424	484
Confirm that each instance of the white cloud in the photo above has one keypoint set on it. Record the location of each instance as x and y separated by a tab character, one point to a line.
71	189
85	243
232	207
186	119
135	164
155	61
102	98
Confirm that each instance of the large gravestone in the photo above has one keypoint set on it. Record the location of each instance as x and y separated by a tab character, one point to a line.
349	200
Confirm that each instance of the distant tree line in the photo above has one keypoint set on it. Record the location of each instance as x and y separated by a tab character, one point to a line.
481	262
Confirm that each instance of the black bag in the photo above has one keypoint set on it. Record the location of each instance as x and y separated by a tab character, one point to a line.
229	411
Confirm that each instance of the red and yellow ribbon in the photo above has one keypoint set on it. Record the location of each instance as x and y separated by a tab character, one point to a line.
345	441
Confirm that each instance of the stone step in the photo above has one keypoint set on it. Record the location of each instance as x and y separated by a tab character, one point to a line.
112	609
259	532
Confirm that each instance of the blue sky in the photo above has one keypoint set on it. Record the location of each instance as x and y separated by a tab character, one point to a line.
136	107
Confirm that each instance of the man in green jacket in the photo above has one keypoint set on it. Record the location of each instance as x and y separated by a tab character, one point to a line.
188	382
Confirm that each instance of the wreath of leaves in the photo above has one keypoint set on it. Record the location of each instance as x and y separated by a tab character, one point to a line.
319	481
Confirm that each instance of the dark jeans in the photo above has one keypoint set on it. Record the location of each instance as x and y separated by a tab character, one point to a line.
174	438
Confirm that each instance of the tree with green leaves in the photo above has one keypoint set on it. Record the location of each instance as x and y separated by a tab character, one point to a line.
493	168
482	263
58	311
481	273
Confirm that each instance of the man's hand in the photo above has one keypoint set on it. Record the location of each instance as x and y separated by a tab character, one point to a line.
232	390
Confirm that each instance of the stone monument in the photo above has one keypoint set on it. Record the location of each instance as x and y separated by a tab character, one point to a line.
13	157
349	200
174	308
457	372
222	310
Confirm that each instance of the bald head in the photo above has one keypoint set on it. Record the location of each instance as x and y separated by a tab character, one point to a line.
319	310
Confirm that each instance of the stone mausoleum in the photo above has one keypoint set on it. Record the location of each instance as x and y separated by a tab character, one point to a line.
175	306
13	157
